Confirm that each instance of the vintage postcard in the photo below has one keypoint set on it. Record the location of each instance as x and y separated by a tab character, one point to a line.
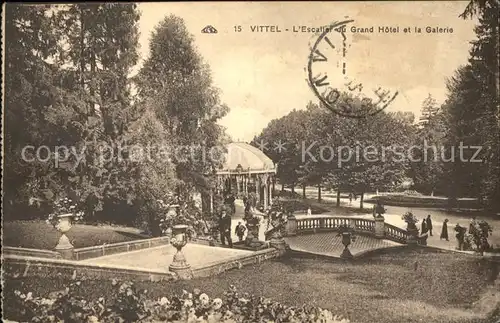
333	161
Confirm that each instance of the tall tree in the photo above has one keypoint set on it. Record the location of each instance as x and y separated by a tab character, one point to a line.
101	43
179	87
426	168
31	42
482	75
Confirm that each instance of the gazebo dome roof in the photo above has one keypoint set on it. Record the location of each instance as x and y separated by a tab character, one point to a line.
248	158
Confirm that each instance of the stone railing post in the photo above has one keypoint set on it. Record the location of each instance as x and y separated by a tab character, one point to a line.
321	223
291	226
379	227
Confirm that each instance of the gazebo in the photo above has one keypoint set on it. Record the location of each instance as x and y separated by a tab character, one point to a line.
246	169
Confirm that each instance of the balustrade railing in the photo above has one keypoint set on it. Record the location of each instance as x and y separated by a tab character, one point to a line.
394	233
326	224
318	224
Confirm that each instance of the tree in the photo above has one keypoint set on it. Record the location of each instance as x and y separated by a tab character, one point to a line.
95	105
366	149
426	169
292	131
31	42
429	110
485	60
178	87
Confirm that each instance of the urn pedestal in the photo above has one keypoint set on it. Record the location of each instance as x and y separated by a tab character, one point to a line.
64	246
412	235
278	243
291	226
253	231
179	265
346	241
379	227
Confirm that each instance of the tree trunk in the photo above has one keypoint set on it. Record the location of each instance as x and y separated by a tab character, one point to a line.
82	48
432	193
361	200
274	184
304	191
282	187
319	192
293	188
338	197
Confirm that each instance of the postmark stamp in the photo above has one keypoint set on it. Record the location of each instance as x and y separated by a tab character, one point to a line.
329	77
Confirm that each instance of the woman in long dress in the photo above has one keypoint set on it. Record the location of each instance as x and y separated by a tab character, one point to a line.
424	226
444	231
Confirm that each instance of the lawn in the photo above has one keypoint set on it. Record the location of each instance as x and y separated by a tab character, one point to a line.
410	286
40	235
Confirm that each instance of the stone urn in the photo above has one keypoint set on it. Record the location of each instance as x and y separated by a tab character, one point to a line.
253	226
168	232
64	246
179	264
346	241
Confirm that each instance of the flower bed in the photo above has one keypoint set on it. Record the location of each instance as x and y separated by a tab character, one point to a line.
132	305
422	201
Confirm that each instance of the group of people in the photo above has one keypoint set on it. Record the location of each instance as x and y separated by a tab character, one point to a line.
460	231
427	228
225	229
224	225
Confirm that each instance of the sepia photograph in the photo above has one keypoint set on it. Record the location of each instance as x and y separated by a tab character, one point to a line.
251	161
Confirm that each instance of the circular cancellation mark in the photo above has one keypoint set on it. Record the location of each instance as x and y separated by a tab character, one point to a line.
345	99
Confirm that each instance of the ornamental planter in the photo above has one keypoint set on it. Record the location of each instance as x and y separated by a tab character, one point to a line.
168	233
64	246
346	241
179	264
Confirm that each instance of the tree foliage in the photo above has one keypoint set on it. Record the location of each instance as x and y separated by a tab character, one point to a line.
68	84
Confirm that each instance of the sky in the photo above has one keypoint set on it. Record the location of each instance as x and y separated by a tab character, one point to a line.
262	75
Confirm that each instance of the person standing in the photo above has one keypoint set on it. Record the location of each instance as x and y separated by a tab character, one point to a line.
460	236
444	231
225	229
424	226
472	225
350	198
429	224
240	231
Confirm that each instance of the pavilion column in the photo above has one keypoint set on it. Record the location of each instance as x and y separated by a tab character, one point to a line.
269	191
211	201
266	196
238	184
257	188
273	180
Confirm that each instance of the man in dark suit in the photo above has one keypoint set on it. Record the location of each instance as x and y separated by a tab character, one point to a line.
429	224
225	228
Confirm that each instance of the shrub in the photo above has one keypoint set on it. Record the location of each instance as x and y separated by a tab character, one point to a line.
477	239
132	305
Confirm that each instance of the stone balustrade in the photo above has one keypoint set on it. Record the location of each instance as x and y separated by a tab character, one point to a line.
374	227
318	224
396	234
31	252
